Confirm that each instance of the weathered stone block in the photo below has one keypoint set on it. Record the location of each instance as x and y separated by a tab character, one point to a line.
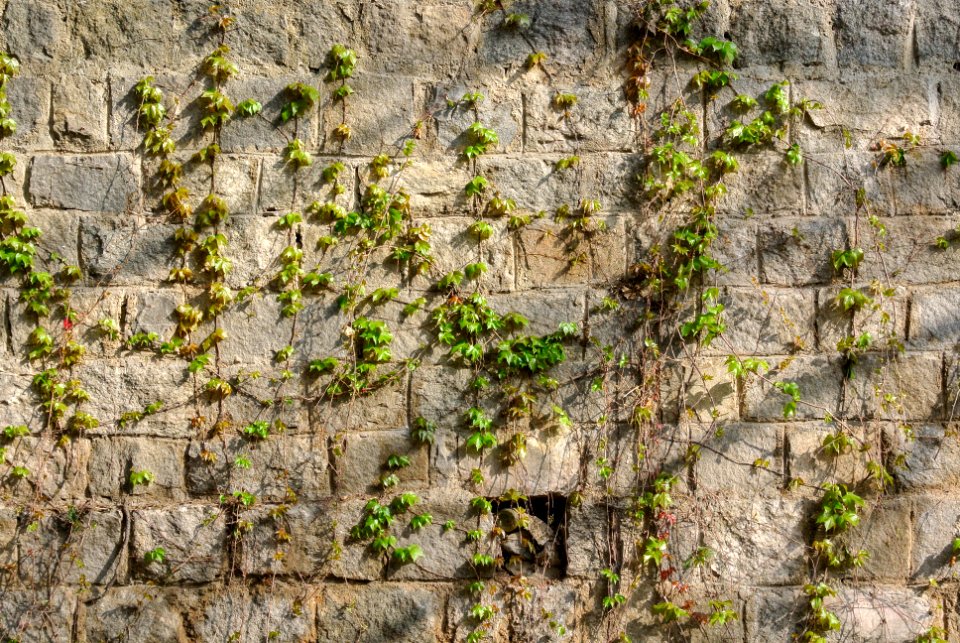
75	547
873	34
937	523
911	255
454	246
937	32
907	387
249	616
834	179
107	183
798	251
871	106
570	31
30	108
933	319
266	132
767	529
810	462
114	459
884	613
380	116
79	120
501	110
193	537
136	613
600	121
381	613
362	458
930	461
38	616
781	32
818	379
236	179
55	472
769	321
296	462
278	180
884	531
745	458
764	184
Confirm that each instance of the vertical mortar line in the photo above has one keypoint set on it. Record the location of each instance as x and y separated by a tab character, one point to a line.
258	187
911	52
906	322
50	113
8	323
523	122
109	84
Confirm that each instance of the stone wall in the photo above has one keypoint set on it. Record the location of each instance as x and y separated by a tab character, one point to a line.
183	524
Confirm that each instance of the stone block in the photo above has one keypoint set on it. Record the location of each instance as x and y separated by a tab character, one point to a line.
79	120
136	613
881	614
727	462
572	33
112	461
266	132
797	33
382	409
911	255
454	246
589	542
795	252
600	121
743	530
907	387
249	616
868	106
772	614
929	461
834	179
501	110
193	537
108	183
401	38
765	184
9	532
91	306
884	531
295	462
380	114
75	547
104	29
818	378
30	107
361	458
937	32
708	391
130	384
769	320
933	320
236	180
446	552
381	613
814	465
552	255
936	524
56	473
35	32
38	616
873	34
278	180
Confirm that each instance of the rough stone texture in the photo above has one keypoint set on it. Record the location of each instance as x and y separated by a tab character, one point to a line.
257	532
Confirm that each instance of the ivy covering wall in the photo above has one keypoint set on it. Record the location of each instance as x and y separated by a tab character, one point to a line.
383	320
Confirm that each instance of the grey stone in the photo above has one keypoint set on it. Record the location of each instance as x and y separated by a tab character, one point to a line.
791	32
75	547
908	387
745	457
56	472
769	321
911	255
380	115
298	463
91	183
362	458
246	616
79	120
135	613
798	251
818	379
114	459
882	613
38	616
873	34
193	537
933	321
929	461
382	613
